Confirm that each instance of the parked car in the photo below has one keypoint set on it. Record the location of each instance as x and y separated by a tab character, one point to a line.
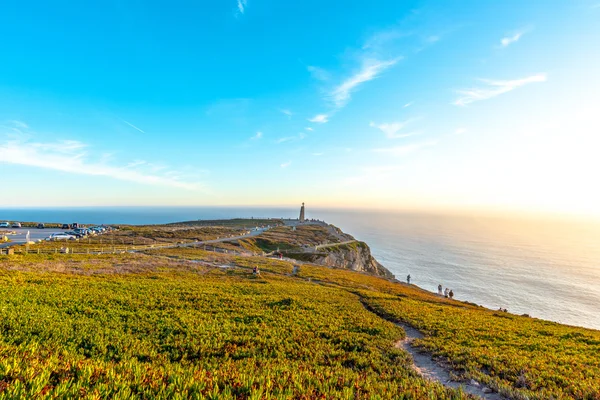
4	225
76	234
81	231
16	225
66	226
41	226
60	236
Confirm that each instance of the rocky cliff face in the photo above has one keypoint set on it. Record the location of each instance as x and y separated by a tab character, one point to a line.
355	256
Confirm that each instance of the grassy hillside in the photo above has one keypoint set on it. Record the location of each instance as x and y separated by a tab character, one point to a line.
288	238
185	323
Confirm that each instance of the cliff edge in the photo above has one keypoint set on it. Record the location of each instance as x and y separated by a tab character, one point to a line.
319	244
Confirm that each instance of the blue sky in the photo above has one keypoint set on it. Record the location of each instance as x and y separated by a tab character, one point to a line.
383	104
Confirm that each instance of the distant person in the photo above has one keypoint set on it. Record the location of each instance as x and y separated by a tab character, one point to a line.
451	294
440	290
255	270
446	292
408	279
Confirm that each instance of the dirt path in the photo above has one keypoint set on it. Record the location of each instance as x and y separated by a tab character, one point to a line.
429	369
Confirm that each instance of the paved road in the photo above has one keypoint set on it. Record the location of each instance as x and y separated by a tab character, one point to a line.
334	244
41	234
34	235
226	239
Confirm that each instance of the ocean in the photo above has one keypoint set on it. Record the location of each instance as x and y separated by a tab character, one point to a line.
549	269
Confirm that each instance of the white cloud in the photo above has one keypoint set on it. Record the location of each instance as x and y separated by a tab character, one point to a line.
460	131
320	118
383	39
258	135
71	156
299	136
19	124
241	4
287	112
406	149
133	126
494	88
508	40
309	129
317	154
410	103
286	164
371	69
391	129
319	73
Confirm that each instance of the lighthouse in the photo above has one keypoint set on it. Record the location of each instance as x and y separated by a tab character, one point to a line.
301	219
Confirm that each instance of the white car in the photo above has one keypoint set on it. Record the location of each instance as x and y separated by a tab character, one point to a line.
60	236
4	225
16	225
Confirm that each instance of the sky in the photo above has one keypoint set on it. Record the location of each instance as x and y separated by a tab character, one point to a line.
386	104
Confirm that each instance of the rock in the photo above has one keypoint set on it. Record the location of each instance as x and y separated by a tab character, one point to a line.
487	390
474	382
356	256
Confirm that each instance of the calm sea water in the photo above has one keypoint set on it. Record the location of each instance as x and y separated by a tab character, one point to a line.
547	269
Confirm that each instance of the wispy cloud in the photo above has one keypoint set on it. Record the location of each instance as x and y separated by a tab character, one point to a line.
370	70
299	136
286	164
320	118
513	37
133	126
72	157
319	73
258	136
384	38
286	112
410	103
494	88
309	129
19	124
406	149
391	129
460	131
241	4
317	154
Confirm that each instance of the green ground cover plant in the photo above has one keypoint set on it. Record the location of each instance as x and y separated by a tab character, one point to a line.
189	323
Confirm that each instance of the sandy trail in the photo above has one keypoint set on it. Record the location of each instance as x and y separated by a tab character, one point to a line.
429	369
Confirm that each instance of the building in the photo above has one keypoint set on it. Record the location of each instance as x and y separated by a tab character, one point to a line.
301	219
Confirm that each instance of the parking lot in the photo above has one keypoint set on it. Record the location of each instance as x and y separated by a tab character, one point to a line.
34	235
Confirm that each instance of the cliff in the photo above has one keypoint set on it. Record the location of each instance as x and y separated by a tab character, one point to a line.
355	256
318	243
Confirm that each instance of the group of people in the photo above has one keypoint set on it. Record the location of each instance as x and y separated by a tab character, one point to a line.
447	293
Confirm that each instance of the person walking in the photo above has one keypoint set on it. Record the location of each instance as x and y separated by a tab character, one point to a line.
440	290
408	279
446	292
451	294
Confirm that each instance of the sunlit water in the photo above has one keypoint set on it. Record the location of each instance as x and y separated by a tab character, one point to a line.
547	269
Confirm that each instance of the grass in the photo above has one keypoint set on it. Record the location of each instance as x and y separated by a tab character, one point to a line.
173	323
184	333
286	238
